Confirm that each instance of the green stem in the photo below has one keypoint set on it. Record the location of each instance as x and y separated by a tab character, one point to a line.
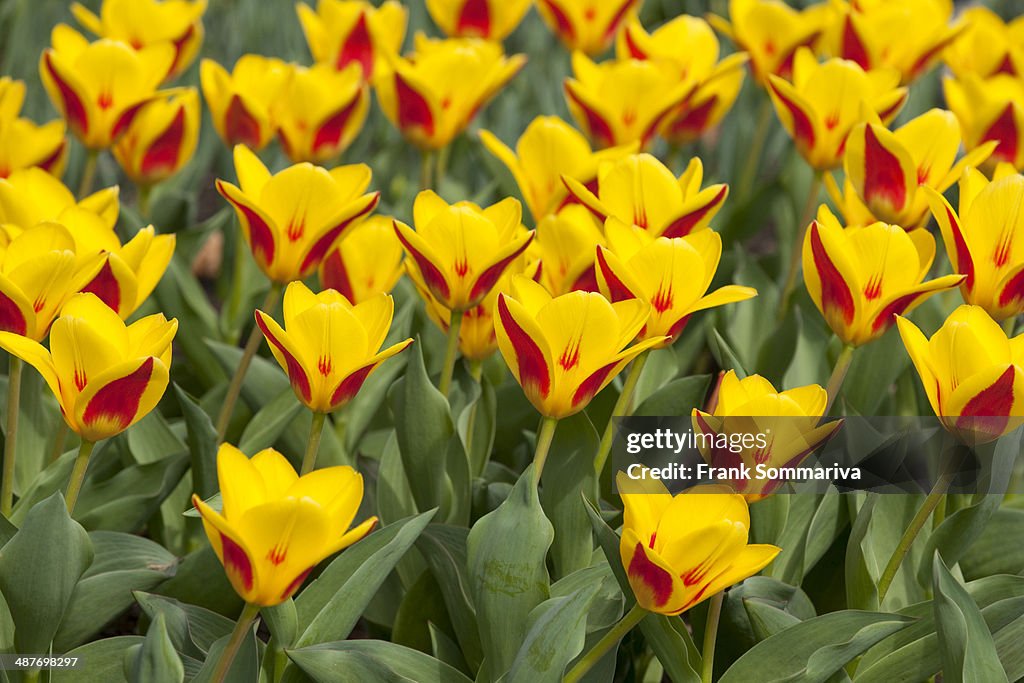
426	169
441	165
145	192
797	248
11	435
710	636
78	474
622	408
839	370
59	440
238	634
316	430
451	352
88	173
1009	325
251	346
476	372
544	436
607	642
749	174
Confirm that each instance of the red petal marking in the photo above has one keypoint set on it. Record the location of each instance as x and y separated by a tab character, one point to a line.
925	59
413	109
296	373
179	45
106	287
677	327
586	282
588	387
350	386
570	357
74	108
786	66
835	293
692	122
240	127
261	237
236	561
432	275
883	177
651	576
617	289
565	27
335	275
329	134
570	198
613	25
320	247
652	129
1006	67
635	51
118	401
11	317
277	554
988	412
600	130
662	299
125	119
964	262
49	162
885	317
533	367
165	151
358	47
683	225
487	279
1004	131
853	47
803	129
474	19
294	585
1013	291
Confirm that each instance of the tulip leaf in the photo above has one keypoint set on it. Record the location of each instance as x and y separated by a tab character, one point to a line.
102	661
244	668
736	632
200	580
202	444
155	660
381	660
394	496
724	354
38	417
152	439
874	365
269	422
422	605
506	552
606	609
133	495
991	554
766	620
678	397
283	621
177	295
673	646
556	636
192	629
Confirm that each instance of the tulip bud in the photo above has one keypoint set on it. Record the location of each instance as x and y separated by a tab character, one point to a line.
365	261
343	32
240	102
586	25
161	139
23	144
488	19
990	110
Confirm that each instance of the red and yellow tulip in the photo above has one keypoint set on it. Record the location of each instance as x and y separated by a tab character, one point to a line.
565	244
588	26
32	196
23	143
987	46
990	109
275	526
488	19
240	101
161	139
343	32
365	261
291	218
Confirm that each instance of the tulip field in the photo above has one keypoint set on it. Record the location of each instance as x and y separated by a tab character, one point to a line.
511	341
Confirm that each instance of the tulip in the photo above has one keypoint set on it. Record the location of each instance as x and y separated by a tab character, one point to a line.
690	45
365	261
488	19
23	144
432	95
161	139
987	46
98	108
32	196
789	419
564	350
588	26
984	240
640	190
565	243
291	218
825	101
680	550
276	526
623	101
141	23
885	170
671	275
240	102
990	109
861	277
342	32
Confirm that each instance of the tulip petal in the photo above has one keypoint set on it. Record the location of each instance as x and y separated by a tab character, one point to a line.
520	340
708	201
984	402
15	309
486	281
230	549
349	215
644	502
256	225
115	285
653	581
425	260
749	561
614	279
1004	131
35	354
880	169
595	122
69	100
1011	290
118	397
414	109
826	283
795	113
330	132
726	294
952	235
908	301
286	354
241	484
350	385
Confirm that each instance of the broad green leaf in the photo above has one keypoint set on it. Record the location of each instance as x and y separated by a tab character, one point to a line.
991	554
422	606
874	366
568	475
132	496
736	633
244	668
152	439
283	621
193	630
269	423
766	621
606	607
156	661
724	354
202	444
394	496
678	397
200	580
330	662
102	661
556	636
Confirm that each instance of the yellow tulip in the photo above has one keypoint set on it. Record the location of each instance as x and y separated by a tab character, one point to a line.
240	102
789	420
459	251
671	275
564	350
106	376
432	95
365	261
275	526
488	19
342	32
161	139
328	347
640	190
291	218
985	239
987	46
990	109
861	277
548	149
565	243
680	550
24	144
586	25
98	108
32	196
825	101
973	375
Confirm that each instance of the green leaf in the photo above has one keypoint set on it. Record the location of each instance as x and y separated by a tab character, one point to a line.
991	554
201	581
394	495
422	606
678	397
283	621
556	636
245	667
766	621
269	423
102	661
606	609
324	663
724	354
875	365
156	661
192	629
567	476
152	439
202	444
736	632
127	500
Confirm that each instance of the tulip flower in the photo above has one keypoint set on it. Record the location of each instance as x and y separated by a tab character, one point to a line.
985	240
342	32
548	149
161	139
588	26
240	102
789	419
488	19
671	275
23	144
885	170
990	109
32	196
825	101
432	95
365	261
861	277
564	350
623	101
275	526
291	218
987	46
98	108
680	550
640	190
690	45
565	244
771	32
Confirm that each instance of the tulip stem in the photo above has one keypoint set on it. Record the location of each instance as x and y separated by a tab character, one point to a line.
544	437
88	173
145	191
607	642
426	169
11	435
764	120
710	636
1009	325
251	346
58	441
78	474
797	248
316	430
451	352
839	370
238	634
476	372
621	409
